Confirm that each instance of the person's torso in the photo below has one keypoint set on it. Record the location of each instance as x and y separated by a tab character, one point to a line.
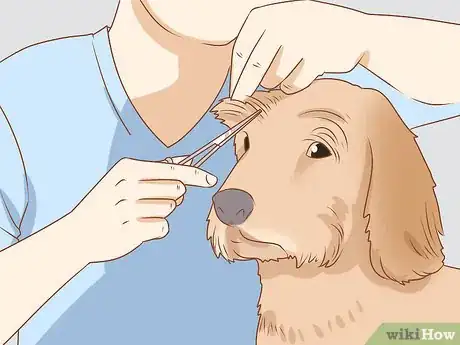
170	291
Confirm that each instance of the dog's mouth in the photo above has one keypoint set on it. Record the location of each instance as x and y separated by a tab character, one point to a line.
247	247
235	243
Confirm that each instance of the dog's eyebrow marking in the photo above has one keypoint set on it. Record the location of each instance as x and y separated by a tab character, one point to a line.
328	112
327	115
336	124
327	132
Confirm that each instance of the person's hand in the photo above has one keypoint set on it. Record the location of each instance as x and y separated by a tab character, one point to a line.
129	206
288	45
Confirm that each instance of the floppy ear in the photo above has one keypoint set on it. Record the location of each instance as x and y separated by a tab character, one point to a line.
404	218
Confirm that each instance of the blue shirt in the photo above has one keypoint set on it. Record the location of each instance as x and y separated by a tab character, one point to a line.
65	120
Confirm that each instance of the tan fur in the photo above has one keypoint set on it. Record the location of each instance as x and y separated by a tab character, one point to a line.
365	219
404	214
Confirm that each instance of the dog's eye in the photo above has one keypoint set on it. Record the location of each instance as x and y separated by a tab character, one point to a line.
318	150
246	144
242	145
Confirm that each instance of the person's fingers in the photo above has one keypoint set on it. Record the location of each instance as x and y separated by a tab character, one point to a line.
151	229
151	171
255	68
299	79
247	39
271	79
148	209
159	189
285	63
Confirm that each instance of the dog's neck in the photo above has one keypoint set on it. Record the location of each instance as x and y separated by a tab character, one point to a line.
309	306
320	305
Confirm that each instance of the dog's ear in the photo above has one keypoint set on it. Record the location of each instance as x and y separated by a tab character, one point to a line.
404	219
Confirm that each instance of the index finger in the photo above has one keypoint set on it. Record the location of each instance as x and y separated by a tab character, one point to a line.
188	175
248	38
256	66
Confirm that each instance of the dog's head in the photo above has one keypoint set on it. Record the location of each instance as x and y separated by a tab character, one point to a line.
316	165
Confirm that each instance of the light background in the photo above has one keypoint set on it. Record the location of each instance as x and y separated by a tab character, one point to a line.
25	22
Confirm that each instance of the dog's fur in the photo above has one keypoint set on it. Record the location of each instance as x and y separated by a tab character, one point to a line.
345	242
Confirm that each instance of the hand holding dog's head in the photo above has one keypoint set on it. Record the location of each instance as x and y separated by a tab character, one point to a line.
318	165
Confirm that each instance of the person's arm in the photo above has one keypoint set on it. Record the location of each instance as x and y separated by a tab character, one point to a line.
292	43
32	271
109	222
420	58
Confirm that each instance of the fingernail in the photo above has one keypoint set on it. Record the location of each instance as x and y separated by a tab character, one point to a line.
211	179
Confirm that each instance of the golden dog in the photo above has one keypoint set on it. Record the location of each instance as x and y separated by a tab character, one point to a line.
332	196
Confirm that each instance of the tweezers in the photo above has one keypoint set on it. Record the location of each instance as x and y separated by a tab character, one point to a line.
218	142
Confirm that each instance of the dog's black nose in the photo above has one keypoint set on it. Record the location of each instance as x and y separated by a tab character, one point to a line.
233	206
